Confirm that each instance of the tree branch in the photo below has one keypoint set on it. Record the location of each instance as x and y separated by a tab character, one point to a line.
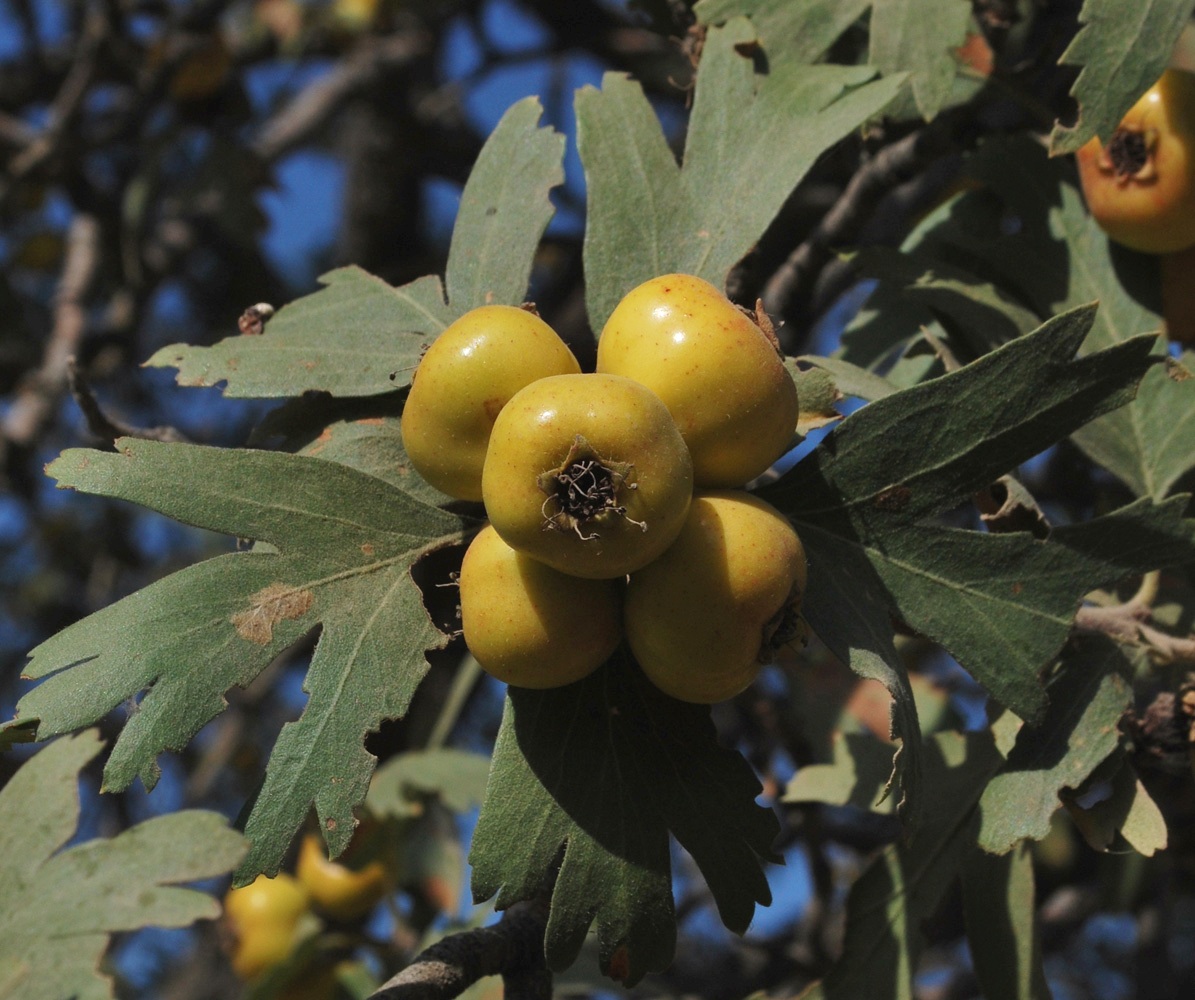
513	948
1130	623
791	286
103	426
40	391
314	105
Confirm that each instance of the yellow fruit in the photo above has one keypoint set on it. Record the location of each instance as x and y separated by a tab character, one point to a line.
1141	188
462	383
264	917
588	474
718	373
338	890
530	625
704	617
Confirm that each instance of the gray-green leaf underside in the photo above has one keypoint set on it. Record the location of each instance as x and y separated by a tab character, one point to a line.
1123	48
59	907
338	552
360	336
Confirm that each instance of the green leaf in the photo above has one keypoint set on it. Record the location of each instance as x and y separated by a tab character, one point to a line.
856	777
17	731
1054	258
1126	811
798	31
1078	732
344	545
918	37
849	614
373	445
349	338
1123	49
346	339
851	380
591	777
817	395
977	313
858	499
647	216
60	906
504	211
897	460
904	885
1147	445
457	777
1000	913
1004	604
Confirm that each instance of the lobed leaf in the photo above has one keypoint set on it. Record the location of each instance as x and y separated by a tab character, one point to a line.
504	211
919	37
456	777
648	216
856	777
1077	733
60	906
342	546
1123	49
587	782
904	885
1001	917
858	501
346	339
802	32
1126	812
349	338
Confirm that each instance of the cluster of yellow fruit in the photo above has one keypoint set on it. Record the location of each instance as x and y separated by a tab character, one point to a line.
588	481
268	918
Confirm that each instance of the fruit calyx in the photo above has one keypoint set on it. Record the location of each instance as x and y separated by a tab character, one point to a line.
585	488
785	627
1129	154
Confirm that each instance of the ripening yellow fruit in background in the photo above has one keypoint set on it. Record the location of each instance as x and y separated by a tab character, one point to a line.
467	375
264	917
1140	188
587	473
340	891
718	373
530	625
713	609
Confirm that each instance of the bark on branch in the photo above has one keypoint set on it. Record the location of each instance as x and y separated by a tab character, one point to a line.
38	395
791	286
513	949
319	101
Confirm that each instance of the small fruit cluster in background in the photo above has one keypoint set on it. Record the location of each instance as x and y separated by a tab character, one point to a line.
270	918
615	498
1140	188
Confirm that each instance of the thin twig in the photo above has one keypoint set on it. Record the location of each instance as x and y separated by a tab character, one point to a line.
315	105
791	286
39	393
100	423
512	948
1130	623
64	108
